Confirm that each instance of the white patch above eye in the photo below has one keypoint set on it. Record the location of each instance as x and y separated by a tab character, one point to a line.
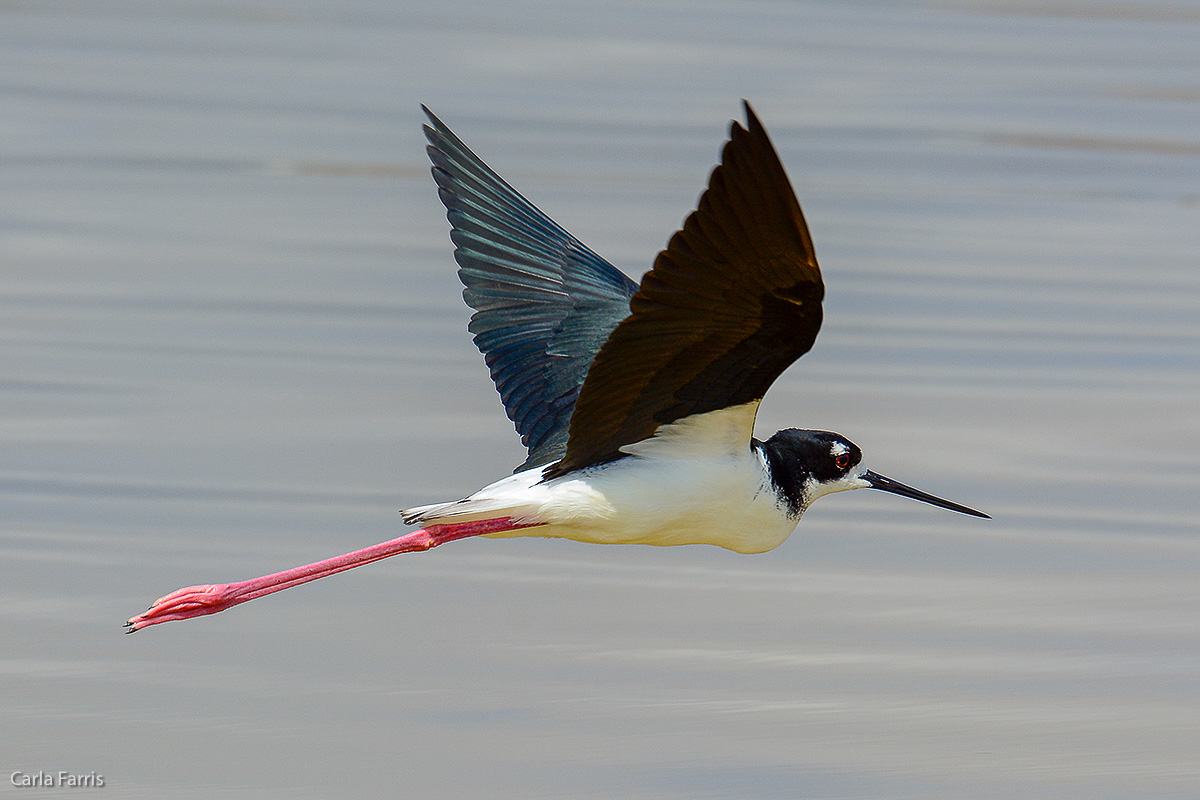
838	449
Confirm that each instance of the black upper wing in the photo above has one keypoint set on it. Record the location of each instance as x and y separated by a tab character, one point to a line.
733	300
544	303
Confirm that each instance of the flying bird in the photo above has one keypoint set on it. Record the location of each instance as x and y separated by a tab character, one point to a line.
636	404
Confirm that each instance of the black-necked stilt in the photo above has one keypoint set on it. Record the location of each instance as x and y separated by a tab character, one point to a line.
636	404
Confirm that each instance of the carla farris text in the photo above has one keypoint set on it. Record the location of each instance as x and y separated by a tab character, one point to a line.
67	780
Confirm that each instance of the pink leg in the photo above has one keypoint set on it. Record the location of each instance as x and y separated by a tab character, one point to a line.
197	601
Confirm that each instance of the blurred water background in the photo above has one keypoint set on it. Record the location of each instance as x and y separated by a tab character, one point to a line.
232	341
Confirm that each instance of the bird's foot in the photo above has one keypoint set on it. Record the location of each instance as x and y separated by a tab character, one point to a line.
192	601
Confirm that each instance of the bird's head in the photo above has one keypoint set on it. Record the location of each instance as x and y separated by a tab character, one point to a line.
806	465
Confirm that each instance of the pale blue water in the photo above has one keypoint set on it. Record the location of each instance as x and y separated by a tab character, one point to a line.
231	341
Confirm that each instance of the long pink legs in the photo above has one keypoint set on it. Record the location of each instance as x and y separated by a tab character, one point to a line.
196	601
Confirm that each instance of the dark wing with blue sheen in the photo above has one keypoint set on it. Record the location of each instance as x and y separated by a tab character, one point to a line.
733	300
544	304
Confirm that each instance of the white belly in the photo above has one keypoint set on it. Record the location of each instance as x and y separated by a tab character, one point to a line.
633	501
697	481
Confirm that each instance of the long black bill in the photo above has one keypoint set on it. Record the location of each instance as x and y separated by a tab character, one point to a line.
877	481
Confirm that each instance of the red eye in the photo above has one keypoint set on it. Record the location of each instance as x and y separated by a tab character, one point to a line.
842	460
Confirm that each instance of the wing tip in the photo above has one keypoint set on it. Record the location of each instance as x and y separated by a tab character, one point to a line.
752	122
437	135
753	126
